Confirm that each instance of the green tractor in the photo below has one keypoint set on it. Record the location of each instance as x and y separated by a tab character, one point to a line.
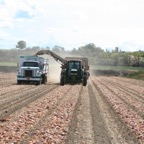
73	70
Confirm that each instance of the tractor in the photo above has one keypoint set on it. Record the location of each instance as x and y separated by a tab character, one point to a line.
73	69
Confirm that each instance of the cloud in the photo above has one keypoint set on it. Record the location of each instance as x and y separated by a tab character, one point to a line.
23	14
131	46
72	23
2	2
6	24
3	35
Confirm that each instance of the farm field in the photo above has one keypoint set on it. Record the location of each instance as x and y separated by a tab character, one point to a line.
108	110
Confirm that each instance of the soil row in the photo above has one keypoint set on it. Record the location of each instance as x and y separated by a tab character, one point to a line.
107	110
124	105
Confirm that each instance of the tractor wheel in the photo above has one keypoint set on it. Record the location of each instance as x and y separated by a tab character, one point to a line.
62	80
84	81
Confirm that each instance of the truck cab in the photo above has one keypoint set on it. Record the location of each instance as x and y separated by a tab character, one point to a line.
32	69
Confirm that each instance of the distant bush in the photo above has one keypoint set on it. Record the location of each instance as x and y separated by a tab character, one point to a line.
136	75
106	72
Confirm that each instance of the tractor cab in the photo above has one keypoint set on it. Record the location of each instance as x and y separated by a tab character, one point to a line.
73	71
74	64
74	67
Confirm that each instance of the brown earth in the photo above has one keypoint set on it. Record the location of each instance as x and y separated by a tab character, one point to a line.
109	110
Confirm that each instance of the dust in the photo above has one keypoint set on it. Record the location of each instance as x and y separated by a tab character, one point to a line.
54	69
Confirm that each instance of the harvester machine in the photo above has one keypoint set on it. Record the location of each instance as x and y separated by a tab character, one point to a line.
73	69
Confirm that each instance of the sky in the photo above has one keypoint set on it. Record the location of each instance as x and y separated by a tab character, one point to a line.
73	23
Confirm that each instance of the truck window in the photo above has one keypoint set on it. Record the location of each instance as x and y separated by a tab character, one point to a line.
30	64
74	65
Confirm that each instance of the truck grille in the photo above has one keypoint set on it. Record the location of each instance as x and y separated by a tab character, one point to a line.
28	73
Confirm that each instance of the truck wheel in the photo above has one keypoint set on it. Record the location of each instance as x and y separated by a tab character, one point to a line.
38	82
44	79
62	80
18	82
84	81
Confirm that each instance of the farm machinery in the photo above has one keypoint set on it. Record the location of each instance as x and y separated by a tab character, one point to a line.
73	69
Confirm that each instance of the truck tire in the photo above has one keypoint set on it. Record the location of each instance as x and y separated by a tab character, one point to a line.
44	79
62	80
84	81
38	82
18	82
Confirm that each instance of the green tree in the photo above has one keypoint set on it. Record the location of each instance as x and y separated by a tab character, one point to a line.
90	50
136	58
124	59
114	59
21	44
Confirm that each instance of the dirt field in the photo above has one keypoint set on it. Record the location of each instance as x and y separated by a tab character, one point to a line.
109	110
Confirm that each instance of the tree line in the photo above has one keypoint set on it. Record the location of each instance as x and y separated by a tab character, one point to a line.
116	57
96	55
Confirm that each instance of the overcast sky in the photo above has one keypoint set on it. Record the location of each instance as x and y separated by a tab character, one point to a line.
73	23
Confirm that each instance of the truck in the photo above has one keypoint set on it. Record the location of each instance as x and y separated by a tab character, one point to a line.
32	69
73	69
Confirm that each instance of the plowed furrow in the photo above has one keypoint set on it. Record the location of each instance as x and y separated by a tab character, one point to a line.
12	88
131	87
8	94
129	81
32	117
87	124
133	91
81	126
101	135
119	130
71	138
22	100
13	98
7	83
130	116
51	110
54	126
125	89
127	97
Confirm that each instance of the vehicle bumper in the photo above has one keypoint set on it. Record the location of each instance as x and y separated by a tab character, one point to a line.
29	79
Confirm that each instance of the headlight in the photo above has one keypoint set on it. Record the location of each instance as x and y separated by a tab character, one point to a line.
38	73
18	72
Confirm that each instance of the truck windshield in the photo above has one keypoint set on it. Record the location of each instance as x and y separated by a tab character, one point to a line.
30	64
